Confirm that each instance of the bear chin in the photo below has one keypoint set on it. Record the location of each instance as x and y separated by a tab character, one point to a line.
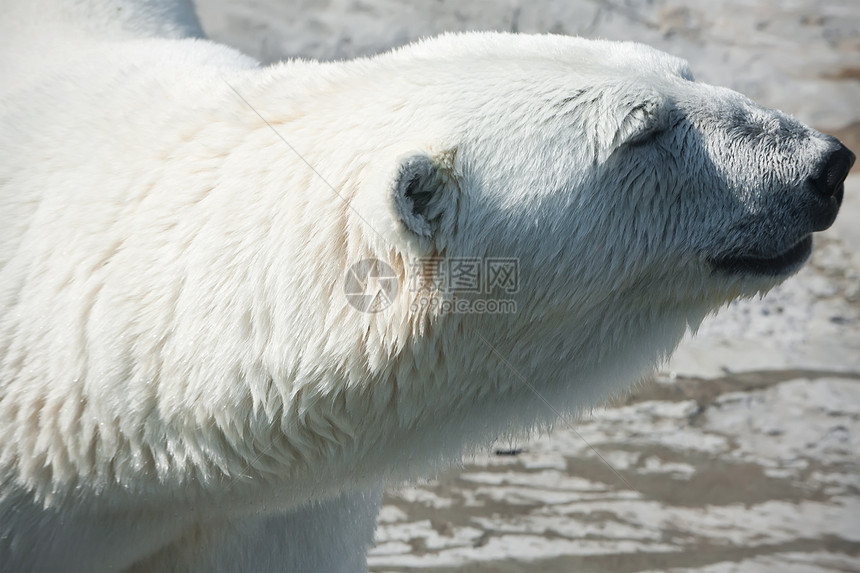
785	263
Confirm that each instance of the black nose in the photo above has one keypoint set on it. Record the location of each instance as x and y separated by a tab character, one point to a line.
828	181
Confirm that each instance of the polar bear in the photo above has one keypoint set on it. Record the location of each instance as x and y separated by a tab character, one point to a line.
185	383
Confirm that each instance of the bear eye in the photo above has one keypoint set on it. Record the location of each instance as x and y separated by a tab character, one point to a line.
641	124
650	121
645	136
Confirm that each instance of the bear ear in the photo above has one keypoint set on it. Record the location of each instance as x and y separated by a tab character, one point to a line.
418	191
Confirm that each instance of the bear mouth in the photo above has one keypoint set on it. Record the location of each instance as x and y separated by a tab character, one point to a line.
784	263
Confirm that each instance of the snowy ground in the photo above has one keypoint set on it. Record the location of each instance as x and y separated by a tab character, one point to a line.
744	454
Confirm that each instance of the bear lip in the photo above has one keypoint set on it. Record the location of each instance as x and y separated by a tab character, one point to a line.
784	263
827	215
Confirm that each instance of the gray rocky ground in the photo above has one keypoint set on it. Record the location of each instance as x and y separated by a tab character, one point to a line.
743	454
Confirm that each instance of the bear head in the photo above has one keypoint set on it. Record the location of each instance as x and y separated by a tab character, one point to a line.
634	200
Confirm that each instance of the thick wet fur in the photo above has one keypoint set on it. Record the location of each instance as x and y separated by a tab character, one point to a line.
184	384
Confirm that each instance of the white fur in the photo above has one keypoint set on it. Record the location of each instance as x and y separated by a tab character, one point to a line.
182	381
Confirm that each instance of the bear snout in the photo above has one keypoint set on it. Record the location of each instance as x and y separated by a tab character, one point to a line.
828	183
